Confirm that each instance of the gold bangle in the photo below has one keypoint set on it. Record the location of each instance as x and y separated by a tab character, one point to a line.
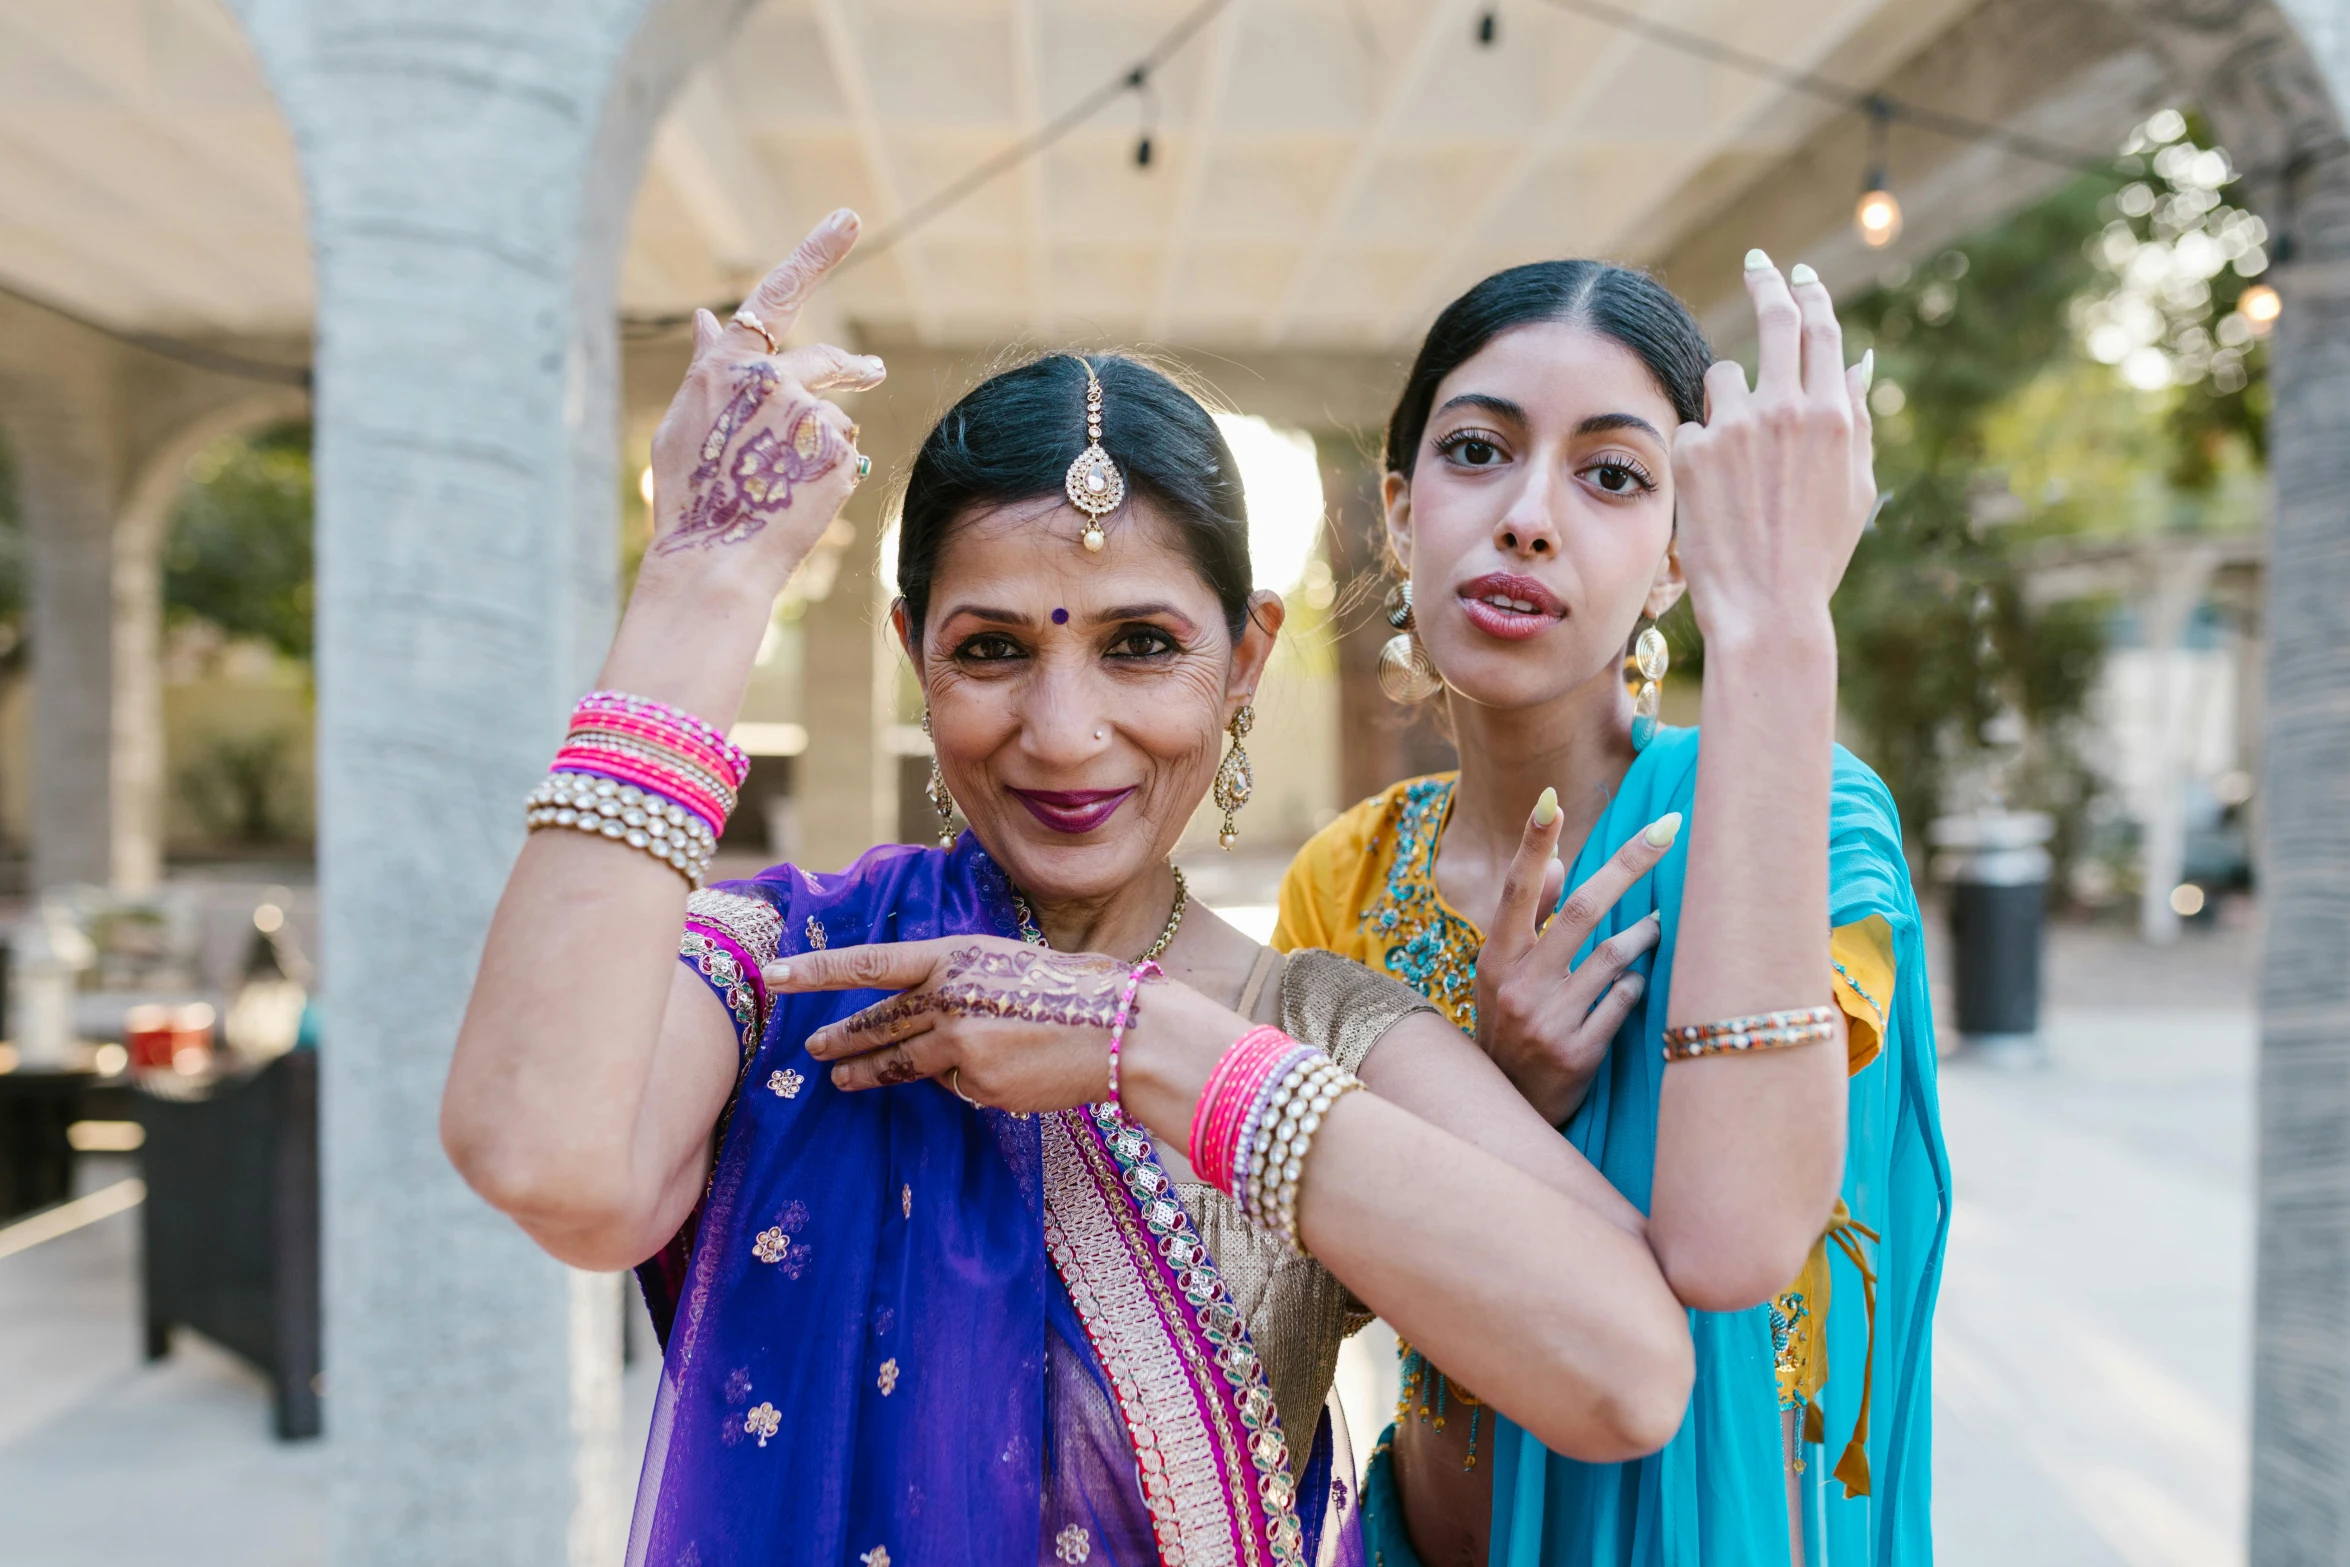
1787	1030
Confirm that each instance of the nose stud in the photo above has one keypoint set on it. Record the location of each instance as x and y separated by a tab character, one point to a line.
1098	733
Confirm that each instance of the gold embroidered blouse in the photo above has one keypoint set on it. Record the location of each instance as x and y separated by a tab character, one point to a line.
1297	1311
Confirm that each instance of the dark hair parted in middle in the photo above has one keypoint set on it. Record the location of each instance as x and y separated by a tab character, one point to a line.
1014	435
1629	307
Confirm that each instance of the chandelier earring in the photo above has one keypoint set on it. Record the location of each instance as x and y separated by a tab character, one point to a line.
940	801
1645	665
1406	673
1235	781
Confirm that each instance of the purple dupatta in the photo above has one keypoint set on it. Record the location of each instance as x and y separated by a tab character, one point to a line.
900	1331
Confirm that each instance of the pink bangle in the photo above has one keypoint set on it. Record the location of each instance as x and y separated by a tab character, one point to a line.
666	781
681	728
1232	1090
1146	969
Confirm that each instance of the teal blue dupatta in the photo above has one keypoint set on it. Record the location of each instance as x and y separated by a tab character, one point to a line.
1716	1495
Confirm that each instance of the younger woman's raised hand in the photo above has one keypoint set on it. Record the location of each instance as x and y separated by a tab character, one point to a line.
751	463
1544	1019
1774	488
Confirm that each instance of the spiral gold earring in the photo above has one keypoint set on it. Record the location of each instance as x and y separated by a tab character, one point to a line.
1649	660
1406	673
1235	781
940	801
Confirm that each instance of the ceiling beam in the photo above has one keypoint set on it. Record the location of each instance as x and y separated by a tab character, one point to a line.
856	91
700	149
1443	273
1445	22
1198	157
1028	118
1686	159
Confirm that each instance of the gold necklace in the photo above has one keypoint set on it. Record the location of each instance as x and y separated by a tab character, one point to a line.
1035	937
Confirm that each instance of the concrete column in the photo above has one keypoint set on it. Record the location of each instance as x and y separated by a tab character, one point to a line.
64	419
1379	742
850	662
2275	81
470	165
846	783
102	434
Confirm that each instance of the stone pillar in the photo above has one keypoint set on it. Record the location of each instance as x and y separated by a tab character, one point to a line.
846	784
63	416
2274	81
469	165
850	662
102	434
1379	741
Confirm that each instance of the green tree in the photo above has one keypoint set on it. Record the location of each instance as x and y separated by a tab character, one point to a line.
239	551
2000	428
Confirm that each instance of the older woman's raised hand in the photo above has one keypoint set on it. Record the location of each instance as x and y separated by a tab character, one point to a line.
1774	488
1545	1019
751	463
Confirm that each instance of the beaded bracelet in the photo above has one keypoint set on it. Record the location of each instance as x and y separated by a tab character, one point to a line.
1146	969
627	814
1219	1121
1745	1035
1294	1113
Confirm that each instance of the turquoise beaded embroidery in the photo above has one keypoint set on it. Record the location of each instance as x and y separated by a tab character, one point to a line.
1423	943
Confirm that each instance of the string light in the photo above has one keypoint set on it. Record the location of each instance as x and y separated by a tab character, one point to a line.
1488	28
2260	305
1878	217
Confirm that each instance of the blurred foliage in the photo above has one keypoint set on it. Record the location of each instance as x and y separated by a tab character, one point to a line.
239	550
2001	431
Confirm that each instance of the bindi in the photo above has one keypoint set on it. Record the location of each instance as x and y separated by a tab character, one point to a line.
1060	617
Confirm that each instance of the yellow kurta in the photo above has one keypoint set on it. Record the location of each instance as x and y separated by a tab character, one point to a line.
1365	887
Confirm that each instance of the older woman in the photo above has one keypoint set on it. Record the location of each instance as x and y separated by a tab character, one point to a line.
1013	1266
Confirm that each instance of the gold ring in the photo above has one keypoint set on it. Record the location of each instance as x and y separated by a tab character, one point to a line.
955	1082
746	317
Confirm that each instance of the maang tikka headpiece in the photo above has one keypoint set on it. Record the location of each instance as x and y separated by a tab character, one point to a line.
1095	485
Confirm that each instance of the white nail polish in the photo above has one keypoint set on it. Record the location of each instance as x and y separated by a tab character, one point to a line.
1663	830
1756	261
1801	272
1546	808
1868	369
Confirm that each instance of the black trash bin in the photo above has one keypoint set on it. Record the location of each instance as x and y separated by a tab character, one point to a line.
1997	866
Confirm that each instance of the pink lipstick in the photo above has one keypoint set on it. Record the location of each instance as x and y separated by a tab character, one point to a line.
1506	605
1072	810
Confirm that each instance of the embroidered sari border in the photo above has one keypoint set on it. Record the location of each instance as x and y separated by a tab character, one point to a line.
1189	1384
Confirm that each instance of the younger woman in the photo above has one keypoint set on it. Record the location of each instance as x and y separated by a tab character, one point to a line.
1563	463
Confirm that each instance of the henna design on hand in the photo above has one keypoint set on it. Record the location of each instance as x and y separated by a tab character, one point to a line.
1075	990
732	501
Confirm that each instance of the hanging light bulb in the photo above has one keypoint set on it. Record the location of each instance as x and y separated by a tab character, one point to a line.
1878	216
2260	305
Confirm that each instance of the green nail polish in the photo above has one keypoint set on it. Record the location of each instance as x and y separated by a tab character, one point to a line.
1546	808
1868	369
1663	830
1801	272
1756	261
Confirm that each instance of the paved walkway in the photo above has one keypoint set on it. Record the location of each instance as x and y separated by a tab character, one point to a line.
2092	1361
